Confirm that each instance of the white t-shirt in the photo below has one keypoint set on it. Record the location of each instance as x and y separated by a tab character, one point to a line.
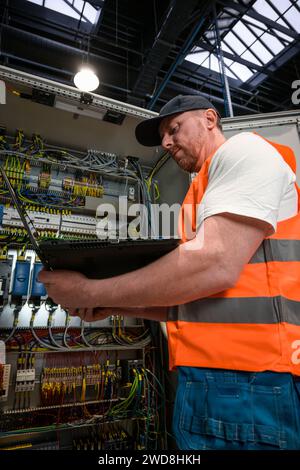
249	177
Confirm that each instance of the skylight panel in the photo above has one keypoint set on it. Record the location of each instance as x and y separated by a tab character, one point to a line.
261	52
293	17
259	32
243	72
253	40
209	61
228	61
229	73
214	63
90	13
235	43
272	42
281	22
247	55
61	7
78	4
225	47
206	63
197	56
72	10
262	7
281	5
258	27
243	32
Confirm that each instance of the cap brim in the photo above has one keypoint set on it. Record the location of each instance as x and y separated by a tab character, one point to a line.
147	132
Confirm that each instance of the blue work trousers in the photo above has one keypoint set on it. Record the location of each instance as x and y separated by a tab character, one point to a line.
235	410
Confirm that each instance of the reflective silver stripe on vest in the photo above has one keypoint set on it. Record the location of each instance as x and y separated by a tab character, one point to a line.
277	250
264	310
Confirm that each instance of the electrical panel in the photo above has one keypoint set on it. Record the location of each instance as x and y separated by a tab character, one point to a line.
66	383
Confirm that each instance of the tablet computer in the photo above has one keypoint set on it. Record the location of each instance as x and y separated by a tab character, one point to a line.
102	259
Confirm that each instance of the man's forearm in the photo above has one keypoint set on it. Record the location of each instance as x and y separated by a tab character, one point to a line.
179	277
188	273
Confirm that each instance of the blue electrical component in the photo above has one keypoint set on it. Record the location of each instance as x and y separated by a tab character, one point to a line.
1	213
21	279
38	288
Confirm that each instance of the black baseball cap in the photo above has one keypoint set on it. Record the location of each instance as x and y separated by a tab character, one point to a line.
147	132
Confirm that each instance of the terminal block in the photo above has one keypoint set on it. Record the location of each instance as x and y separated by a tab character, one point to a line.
25	380
4	381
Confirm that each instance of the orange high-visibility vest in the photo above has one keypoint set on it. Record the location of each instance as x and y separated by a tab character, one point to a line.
254	326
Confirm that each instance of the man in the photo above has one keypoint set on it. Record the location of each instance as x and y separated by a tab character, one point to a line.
232	303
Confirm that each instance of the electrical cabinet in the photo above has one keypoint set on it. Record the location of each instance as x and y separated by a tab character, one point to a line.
66	383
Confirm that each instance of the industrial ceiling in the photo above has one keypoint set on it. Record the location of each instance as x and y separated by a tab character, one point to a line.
147	51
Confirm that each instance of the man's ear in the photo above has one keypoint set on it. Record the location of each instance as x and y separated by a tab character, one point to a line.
211	118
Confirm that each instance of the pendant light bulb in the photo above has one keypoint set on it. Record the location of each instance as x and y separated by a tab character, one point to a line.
86	80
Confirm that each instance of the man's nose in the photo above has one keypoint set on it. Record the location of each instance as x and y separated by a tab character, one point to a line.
166	142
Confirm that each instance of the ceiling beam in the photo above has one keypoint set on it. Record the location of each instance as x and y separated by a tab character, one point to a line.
215	99
206	9
174	22
210	80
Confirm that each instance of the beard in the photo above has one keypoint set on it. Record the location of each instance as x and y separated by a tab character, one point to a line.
188	167
187	164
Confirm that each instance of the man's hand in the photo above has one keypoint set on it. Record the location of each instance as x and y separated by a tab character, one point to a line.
94	314
78	295
70	289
